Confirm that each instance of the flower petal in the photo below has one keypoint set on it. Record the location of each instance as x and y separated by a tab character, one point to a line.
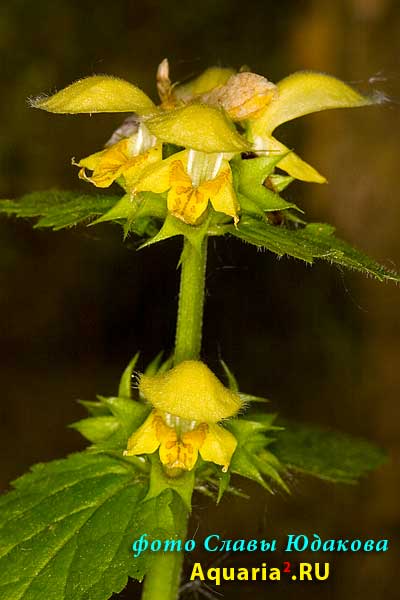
119	159
144	440
136	166
291	163
185	201
220	192
199	127
190	391
218	446
156	178
306	92
106	165
183	453
97	94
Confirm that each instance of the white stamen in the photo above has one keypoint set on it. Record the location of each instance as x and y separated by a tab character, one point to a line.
217	165
138	141
190	161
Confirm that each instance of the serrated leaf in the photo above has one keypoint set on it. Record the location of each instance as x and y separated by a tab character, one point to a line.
308	243
325	454
58	209
279	240
67	530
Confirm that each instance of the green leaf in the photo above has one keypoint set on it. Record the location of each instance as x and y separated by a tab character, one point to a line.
113	419
96	429
250	178
232	381
325	454
125	384
67	530
251	459
308	243
58	209
157	365
136	210
173	227
111	432
223	485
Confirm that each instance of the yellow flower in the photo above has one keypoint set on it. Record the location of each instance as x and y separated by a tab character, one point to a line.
125	159
192	179
188	402
297	95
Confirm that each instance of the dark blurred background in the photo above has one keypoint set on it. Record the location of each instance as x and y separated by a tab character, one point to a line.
323	344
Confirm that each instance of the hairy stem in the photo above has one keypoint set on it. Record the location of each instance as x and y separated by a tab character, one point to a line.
191	302
163	578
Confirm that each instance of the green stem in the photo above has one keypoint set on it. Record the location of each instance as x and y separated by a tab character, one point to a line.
191	302
162	582
163	578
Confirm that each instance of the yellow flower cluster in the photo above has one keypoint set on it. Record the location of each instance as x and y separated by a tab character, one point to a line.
201	117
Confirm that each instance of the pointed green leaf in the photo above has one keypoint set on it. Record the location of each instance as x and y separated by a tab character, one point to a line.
136	208
251	176
276	239
251	459
199	127
315	241
232	381
247	398
67	530
223	485
95	409
58	209
173	227
125	384
97	94
279	182
325	454
96	429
